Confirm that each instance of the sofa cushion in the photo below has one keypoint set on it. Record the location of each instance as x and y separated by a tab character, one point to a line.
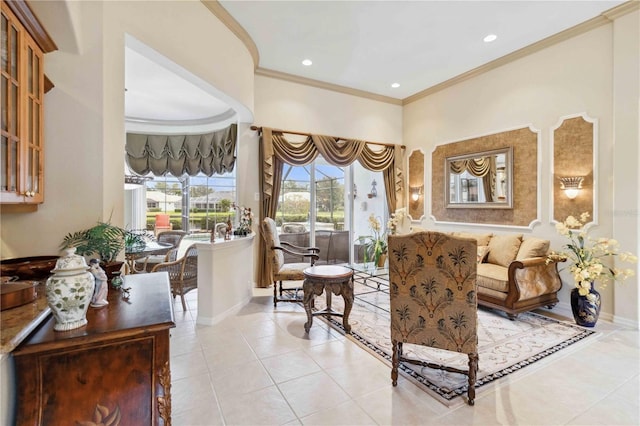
533	247
482	239
494	277
483	251
504	248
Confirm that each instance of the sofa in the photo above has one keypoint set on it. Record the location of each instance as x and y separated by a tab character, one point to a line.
513	273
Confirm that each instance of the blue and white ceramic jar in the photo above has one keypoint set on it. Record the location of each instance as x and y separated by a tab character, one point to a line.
69	291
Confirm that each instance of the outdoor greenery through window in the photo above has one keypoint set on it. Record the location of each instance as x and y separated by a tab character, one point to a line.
193	203
319	205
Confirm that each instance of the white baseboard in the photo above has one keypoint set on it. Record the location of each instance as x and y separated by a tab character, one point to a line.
217	318
626	322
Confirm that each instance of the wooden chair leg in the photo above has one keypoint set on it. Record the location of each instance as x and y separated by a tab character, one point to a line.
394	363
275	294
184	304
473	370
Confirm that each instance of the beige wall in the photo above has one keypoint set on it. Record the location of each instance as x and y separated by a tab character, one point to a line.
84	113
292	106
575	76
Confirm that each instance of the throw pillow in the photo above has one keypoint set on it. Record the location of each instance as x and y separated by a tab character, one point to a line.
483	252
533	247
504	248
482	239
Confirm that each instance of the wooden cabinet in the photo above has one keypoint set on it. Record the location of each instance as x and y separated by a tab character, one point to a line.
23	43
117	366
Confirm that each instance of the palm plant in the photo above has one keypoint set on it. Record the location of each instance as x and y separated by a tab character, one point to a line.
104	240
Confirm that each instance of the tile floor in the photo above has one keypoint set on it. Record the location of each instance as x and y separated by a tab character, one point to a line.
258	367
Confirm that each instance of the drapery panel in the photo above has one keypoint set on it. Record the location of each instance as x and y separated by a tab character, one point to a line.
276	150
209	153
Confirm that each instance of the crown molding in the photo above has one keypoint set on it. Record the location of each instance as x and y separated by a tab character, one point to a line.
328	86
225	17
621	10
604	18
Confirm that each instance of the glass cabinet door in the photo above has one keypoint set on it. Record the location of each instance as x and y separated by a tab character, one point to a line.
11	105
33	171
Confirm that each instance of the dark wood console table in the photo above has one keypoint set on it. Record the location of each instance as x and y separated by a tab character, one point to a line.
116	366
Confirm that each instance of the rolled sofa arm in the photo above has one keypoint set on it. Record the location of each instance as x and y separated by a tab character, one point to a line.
535	276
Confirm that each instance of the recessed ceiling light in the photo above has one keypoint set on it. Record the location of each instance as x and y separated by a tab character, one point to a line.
490	38
395	85
307	62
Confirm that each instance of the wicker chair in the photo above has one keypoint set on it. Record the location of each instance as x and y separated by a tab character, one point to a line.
434	301
171	237
183	273
281	271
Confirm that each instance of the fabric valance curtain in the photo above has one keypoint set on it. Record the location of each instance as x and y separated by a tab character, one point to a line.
276	150
483	167
209	153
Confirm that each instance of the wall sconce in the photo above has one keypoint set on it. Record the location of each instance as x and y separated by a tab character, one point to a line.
571	185
416	192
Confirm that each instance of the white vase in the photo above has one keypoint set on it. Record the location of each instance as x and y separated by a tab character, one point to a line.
69	291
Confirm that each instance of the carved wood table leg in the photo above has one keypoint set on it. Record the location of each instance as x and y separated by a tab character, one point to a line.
331	279
307	288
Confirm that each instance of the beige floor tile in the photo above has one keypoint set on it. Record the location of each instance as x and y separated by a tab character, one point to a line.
610	411
224	374
313	393
205	414
336	353
346	414
223	358
263	407
629	391
183	343
397	406
279	343
245	378
362	377
190	393
290	366
188	365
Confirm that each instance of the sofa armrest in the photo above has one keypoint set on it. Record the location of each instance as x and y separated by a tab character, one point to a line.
533	277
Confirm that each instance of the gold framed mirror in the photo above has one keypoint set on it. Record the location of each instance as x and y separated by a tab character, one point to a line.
480	180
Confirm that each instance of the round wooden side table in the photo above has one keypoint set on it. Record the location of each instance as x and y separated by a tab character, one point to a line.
332	279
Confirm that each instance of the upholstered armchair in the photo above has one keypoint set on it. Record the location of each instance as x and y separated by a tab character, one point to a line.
281	271
434	303
183	272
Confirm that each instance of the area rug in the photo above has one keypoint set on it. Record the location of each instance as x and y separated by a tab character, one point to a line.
504	346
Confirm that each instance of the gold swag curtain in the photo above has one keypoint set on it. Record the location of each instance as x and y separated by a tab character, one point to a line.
484	167
276	150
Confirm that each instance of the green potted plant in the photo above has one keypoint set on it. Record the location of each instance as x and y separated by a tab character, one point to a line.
103	240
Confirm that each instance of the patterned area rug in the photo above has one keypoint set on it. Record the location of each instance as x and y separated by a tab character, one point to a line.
505	346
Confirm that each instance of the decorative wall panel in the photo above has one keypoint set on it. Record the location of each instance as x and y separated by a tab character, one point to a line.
525	211
573	141
416	185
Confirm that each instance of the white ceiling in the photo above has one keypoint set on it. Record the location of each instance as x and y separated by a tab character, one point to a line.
368	45
365	45
154	93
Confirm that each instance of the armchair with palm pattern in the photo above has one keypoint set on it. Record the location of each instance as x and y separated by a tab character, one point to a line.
432	279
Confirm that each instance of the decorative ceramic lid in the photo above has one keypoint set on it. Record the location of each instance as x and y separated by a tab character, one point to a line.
70	262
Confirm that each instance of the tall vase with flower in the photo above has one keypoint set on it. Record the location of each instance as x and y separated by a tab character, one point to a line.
375	245
587	257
